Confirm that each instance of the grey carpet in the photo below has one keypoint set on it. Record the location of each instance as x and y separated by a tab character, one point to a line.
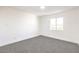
41	44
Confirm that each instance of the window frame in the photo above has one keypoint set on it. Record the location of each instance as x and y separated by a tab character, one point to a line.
56	26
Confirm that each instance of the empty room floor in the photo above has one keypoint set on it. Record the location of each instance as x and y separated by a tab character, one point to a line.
41	44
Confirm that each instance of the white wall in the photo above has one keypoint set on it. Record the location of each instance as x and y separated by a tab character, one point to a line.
16	25
71	26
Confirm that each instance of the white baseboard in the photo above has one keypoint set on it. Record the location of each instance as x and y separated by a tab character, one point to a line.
11	42
36	36
60	38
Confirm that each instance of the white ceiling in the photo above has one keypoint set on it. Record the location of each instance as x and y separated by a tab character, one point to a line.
48	10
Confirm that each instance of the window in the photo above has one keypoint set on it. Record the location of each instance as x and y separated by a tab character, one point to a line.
56	23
